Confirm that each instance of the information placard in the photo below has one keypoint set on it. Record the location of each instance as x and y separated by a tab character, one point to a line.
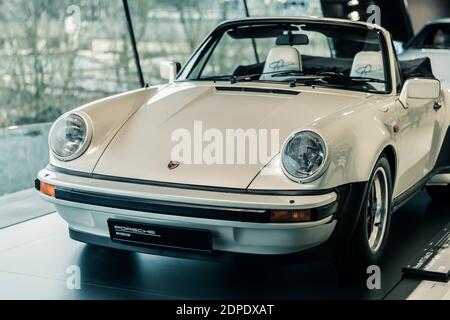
434	261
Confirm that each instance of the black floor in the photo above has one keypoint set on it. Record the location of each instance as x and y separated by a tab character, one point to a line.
35	255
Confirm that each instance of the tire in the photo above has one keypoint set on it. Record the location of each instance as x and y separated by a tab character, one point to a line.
372	231
440	193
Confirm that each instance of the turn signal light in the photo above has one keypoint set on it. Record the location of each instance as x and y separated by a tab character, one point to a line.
291	215
47	189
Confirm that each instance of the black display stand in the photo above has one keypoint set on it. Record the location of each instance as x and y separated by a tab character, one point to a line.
434	260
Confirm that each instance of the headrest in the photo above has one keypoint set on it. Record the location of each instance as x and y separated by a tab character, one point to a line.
441	39
281	58
368	64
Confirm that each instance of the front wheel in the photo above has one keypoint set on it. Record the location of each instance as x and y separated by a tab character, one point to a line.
372	231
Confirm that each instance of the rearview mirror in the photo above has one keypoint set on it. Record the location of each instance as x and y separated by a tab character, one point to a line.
169	70
415	90
292	40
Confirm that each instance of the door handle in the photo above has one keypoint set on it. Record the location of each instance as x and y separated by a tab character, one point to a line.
437	105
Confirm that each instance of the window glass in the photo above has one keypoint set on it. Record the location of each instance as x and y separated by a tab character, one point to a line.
228	54
231	53
55	55
319	45
172	29
293	8
345	57
434	37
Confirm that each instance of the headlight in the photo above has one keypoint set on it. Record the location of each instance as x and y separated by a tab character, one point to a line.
69	137
304	156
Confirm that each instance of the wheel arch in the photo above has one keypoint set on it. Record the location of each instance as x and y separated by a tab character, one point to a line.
391	155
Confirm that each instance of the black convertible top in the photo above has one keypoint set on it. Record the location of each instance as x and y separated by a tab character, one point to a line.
418	68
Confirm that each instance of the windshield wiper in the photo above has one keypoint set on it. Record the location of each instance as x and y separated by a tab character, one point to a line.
284	73
214	78
328	78
247	77
307	81
338	77
366	79
232	79
335	80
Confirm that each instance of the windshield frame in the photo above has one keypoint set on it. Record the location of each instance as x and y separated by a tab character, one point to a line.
214	38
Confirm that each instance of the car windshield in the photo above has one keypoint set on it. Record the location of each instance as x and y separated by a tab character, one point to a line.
311	54
435	36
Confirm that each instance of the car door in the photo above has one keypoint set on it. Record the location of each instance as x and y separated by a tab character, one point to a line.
419	128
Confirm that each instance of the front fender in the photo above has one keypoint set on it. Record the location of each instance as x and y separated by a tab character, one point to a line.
355	140
109	115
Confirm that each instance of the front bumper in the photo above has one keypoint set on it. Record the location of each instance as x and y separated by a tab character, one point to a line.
237	221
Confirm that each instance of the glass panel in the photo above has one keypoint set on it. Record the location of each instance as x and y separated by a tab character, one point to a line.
172	30
309	53
55	55
229	54
294	8
435	36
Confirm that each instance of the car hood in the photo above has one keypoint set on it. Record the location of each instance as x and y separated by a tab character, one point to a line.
439	62
143	148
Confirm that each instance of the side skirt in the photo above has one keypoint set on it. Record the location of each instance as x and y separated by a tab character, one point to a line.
403	198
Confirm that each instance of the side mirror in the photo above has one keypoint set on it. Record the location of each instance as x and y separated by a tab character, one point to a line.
415	91
169	70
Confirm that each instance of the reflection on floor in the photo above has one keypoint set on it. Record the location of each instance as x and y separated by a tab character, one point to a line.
22	206
35	257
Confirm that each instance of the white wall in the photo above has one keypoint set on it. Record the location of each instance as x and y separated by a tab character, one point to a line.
422	11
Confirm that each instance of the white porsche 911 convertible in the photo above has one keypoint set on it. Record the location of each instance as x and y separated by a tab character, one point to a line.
359	136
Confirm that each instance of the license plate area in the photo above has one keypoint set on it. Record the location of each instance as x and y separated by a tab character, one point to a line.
160	237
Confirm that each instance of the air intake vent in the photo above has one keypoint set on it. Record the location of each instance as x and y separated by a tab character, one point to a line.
258	90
